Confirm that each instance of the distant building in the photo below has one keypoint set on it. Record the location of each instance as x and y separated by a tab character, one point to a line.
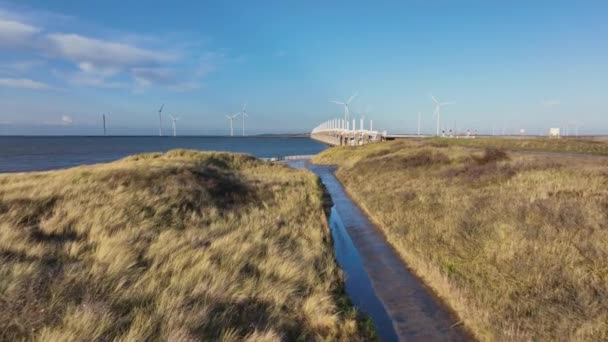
554	132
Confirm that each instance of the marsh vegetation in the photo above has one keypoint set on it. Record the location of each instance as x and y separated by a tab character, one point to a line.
180	246
515	243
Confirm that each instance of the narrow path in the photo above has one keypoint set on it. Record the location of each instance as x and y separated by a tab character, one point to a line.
414	313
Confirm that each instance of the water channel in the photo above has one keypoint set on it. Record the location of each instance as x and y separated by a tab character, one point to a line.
377	281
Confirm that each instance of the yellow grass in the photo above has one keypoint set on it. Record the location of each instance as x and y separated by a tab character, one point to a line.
595	146
516	244
180	246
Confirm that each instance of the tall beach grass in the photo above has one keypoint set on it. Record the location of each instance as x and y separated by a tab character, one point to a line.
182	246
516	244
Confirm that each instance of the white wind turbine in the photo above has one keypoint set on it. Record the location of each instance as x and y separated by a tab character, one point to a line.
437	111
231	119
243	115
362	115
104	124
173	121
346	104
160	120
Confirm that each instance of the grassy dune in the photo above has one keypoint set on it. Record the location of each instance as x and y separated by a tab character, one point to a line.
516	244
180	246
597	146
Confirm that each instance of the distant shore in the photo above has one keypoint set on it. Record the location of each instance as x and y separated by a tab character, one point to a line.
287	135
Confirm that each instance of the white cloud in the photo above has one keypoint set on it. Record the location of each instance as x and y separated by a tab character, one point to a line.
20	67
185	86
149	76
99	62
66	120
23	83
550	103
92	80
146	77
95	70
103	53
15	33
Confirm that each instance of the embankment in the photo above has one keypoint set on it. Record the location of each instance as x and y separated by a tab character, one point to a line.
178	246
326	139
515	243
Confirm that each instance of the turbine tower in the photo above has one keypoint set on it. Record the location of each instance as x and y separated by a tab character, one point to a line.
346	104
438	106
243	115
231	119
104	124
173	121
362	115
160	120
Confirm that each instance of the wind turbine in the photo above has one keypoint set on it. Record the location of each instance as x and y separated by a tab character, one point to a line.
437	111
173	121
243	115
104	124
160	120
362	115
345	104
231	119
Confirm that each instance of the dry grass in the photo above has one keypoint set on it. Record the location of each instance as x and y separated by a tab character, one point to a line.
517	244
595	146
179	246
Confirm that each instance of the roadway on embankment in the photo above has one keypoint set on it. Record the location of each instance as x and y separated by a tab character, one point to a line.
326	139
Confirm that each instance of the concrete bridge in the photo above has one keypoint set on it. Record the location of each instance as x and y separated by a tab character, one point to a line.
337	132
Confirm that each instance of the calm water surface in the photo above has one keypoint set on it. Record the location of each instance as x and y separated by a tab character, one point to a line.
46	153
377	281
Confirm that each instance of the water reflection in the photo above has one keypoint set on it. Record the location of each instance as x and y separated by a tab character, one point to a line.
358	285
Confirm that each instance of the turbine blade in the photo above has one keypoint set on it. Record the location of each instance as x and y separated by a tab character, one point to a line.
446	103
338	102
352	97
434	99
161	108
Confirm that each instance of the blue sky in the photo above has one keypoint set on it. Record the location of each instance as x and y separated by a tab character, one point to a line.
507	65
